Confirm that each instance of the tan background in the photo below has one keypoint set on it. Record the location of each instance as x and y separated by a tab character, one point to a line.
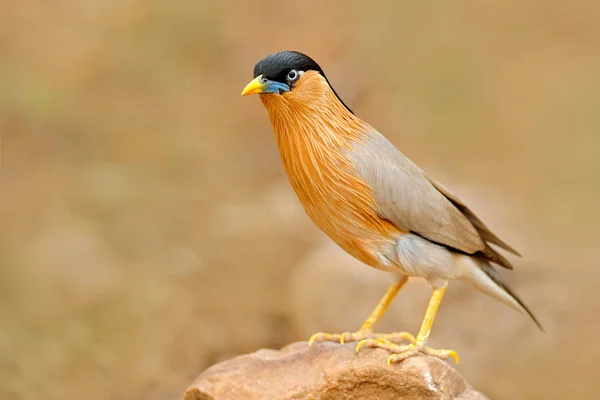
147	228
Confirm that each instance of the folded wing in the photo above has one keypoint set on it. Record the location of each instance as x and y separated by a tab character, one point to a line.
415	203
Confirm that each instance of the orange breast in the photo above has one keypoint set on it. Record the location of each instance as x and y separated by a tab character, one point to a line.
312	148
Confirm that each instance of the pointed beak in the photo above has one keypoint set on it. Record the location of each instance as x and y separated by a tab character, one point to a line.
261	85
254	87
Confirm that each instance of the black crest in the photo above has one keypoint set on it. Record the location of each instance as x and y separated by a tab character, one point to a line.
276	66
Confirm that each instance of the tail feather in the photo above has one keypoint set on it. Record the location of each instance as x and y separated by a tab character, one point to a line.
485	278
495	276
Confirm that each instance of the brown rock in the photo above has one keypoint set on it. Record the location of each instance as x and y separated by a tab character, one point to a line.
329	371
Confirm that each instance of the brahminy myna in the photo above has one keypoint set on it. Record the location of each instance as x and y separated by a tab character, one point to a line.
374	202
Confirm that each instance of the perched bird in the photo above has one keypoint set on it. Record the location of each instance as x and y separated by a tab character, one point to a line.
373	201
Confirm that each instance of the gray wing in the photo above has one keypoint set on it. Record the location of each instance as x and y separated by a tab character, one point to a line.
413	202
484	232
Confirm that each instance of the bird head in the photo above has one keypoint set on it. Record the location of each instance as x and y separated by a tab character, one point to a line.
291	78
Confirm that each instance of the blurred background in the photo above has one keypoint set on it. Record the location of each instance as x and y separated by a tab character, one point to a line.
148	230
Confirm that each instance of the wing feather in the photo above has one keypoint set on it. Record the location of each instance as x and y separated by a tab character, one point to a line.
413	202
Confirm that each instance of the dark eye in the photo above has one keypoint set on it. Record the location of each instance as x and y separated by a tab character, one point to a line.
292	75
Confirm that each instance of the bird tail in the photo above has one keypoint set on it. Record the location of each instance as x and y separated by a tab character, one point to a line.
487	280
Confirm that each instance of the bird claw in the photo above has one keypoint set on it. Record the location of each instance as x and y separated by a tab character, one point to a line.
329	337
402	352
441	353
357	336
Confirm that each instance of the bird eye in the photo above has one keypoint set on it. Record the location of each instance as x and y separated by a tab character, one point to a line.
263	80
292	75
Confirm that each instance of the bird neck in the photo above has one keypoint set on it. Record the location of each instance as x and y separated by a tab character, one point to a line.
312	114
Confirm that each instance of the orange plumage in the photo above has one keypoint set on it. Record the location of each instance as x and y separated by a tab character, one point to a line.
313	130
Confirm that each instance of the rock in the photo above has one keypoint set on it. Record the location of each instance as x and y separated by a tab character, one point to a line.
329	371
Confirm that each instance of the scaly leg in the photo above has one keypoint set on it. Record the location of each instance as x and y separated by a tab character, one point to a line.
366	330
418	345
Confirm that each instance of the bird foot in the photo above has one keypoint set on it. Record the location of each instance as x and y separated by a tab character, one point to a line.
402	352
360	335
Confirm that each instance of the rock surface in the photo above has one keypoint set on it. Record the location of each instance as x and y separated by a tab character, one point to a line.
329	371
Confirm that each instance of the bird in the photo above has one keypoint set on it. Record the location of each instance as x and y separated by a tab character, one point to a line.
375	203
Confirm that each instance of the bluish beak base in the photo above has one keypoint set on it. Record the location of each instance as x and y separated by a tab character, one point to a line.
261	85
275	87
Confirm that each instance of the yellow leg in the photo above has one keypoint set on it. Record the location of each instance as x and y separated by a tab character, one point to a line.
383	305
418	345
366	330
434	304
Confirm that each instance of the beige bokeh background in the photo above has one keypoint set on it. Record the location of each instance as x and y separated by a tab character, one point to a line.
148	230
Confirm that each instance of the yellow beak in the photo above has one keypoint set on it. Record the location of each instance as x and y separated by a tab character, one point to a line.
253	87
